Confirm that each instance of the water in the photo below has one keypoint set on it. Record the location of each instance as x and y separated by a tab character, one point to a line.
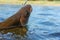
43	24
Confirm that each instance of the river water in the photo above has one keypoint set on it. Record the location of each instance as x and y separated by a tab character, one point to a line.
43	24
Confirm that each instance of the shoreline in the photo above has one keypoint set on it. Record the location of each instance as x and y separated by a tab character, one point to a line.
46	3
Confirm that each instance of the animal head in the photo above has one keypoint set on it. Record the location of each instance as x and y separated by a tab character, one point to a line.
25	14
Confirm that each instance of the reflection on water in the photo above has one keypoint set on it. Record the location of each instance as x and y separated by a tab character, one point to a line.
43	24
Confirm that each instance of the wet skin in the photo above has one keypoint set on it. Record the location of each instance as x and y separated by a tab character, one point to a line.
20	19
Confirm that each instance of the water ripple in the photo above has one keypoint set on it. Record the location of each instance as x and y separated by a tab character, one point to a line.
47	23
45	14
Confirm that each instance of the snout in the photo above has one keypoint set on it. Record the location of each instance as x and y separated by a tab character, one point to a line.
25	15
29	8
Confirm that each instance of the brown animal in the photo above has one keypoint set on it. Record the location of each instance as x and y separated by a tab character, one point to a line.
19	19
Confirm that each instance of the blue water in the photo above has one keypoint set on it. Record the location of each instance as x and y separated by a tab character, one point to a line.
43	24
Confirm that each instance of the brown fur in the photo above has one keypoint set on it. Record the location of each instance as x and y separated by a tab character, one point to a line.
20	18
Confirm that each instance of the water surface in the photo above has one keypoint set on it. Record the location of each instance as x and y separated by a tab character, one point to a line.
43	24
